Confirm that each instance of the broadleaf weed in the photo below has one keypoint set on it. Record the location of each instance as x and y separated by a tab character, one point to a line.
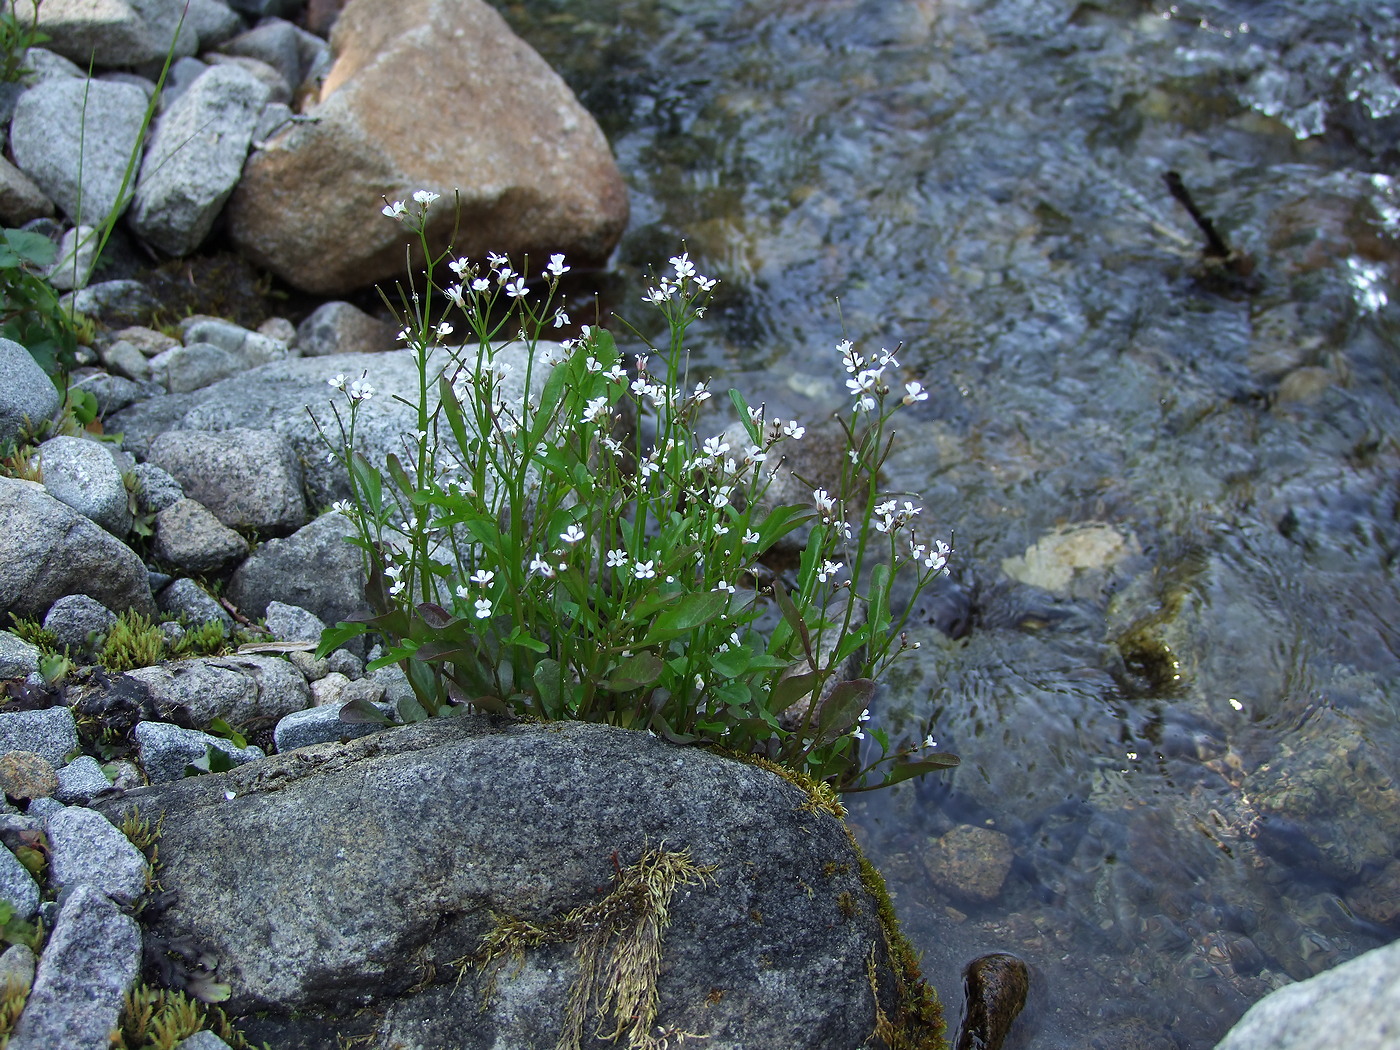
559	538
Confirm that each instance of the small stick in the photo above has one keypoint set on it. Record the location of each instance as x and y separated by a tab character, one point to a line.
1216	248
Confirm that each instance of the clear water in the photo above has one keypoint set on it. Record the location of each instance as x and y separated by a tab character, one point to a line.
1180	706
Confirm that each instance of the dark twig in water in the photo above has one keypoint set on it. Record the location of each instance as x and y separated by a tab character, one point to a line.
1216	248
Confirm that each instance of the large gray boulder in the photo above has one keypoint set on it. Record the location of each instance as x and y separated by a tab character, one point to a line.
337	886
247	478
1356	1005
28	397
533	168
195	158
276	396
50	147
47	550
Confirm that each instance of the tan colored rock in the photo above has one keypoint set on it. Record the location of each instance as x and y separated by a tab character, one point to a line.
1072	559
25	775
970	863
437	95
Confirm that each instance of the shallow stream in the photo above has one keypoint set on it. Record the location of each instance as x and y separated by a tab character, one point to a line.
1168	651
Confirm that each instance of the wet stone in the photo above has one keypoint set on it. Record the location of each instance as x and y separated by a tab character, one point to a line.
970	863
18	886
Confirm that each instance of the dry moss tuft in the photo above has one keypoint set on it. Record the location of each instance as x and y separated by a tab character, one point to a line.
618	948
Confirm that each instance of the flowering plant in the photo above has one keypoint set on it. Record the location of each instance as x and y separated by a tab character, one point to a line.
560	541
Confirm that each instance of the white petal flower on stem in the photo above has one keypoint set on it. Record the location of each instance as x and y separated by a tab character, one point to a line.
556	265
461	267
482	577
596	409
425	197
561	319
705	284
914	392
929	742
644	570
617	558
462	592
655	297
750	537
683	266
337	381
481	284
793	429
516	288
571	535
483	608
395	210
443	330
541	566
726	588
360	390
828	570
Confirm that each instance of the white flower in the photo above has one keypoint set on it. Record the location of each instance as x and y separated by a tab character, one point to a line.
592	364
571	535
516	288
828	570
616	373
444	330
461	267
425	197
341	506
617	558
684	267
337	381
597	408
360	390
481	284
750	537
497	261
849	358
824	501
865	715
482	577
929	741
556	265
721	529
462	592
727	588
483	608
539	565
395	210
793	429
560	319
396	589
644	570
704	284
858	733
454	293
914	392
716	446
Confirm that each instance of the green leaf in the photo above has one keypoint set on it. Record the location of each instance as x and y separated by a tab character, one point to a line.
519	637
742	407
26	246
221	728
437	652
435	616
451	408
636	672
907	770
691	611
410	710
360	710
400	476
779	521
732	664
549	685
790	690
841	710
794	620
367	483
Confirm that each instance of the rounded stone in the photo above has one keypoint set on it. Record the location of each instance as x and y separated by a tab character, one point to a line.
25	775
970	863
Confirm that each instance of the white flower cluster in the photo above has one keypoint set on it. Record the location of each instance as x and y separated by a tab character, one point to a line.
686	283
867	377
